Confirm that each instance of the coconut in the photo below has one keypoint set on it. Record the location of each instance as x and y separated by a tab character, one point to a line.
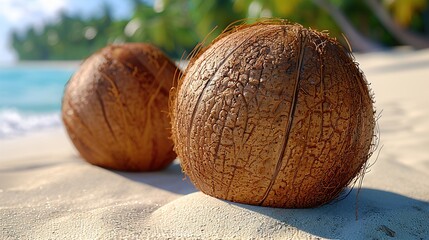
273	114
115	108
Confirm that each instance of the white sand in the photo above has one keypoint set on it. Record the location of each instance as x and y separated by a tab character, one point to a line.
48	192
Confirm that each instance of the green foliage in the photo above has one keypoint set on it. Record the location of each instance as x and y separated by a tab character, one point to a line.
177	26
168	27
70	38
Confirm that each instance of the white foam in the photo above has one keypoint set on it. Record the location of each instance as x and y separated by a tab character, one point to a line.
13	122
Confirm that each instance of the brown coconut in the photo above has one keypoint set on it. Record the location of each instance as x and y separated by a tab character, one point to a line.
115	108
273	114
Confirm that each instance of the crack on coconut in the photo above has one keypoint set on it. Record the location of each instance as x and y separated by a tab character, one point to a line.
78	138
194	110
76	117
290	117
103	111
243	136
117	97
200	96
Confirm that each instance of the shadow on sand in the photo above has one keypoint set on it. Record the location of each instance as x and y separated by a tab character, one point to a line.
170	179
381	214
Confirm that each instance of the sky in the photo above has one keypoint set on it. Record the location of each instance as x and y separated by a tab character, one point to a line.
20	14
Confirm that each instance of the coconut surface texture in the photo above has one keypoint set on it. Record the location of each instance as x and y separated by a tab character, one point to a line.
273	114
115	108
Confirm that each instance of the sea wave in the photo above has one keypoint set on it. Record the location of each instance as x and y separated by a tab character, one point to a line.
13	122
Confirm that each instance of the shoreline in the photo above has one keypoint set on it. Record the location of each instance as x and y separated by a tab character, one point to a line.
19	123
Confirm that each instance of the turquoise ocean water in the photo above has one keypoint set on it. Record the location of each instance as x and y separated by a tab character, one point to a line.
30	97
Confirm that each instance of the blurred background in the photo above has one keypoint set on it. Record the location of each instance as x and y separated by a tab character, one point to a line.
73	29
43	41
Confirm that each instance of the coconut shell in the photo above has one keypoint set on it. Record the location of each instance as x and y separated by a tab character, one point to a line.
273	114
115	108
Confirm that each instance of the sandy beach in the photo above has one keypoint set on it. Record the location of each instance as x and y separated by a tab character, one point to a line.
48	192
